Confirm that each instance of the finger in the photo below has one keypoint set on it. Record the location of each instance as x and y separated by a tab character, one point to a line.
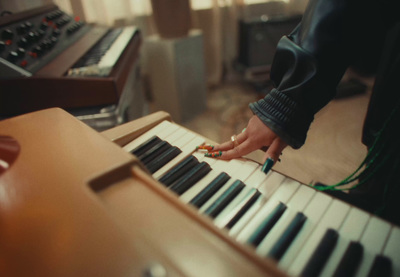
275	150
228	145
272	154
239	151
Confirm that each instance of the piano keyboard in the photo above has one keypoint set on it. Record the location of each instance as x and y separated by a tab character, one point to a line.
307	233
100	60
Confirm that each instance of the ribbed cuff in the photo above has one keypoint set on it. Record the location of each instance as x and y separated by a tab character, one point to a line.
284	116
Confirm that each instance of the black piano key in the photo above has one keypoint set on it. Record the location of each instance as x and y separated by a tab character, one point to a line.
350	261
267	225
99	49
192	177
287	237
243	210
163	159
204	195
146	146
178	171
321	254
224	199
381	267
154	152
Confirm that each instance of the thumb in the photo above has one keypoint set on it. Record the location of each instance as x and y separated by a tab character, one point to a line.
273	153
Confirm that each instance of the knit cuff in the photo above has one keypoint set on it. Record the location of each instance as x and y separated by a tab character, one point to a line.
284	116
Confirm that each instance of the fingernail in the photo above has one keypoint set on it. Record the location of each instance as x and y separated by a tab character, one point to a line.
213	154
267	165
208	147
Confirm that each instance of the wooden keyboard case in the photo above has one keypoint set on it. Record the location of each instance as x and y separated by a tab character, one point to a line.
75	204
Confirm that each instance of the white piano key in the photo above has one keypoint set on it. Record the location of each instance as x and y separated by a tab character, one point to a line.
266	184
163	127
278	188
233	208
242	173
333	218
246	169
182	140
217	166
200	156
392	250
251	226
271	183
285	190
180	133
210	161
314	212
116	49
301	198
186	149
296	204
166	132
351	230
373	240
186	141
216	195
282	194
255	208
234	168
198	187
257	178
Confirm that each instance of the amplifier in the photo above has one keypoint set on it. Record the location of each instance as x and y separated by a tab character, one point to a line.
259	36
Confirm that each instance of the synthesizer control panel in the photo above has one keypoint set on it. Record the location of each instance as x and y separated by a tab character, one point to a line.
40	46
27	44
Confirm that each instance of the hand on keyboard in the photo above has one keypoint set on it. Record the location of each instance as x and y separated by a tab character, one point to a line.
256	136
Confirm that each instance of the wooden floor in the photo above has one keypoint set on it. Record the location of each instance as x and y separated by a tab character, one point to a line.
333	148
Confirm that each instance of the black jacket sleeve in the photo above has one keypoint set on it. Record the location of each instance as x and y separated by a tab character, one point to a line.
309	63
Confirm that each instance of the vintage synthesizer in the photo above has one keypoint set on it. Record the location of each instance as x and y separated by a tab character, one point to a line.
139	200
52	59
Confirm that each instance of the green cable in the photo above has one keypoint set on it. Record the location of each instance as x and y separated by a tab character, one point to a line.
367	162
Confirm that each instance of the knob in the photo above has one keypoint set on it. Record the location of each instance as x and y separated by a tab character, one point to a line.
7	34
23	42
31	37
56	32
12	56
28	25
2	46
21	28
40	33
44	25
53	40
46	44
21	52
38	50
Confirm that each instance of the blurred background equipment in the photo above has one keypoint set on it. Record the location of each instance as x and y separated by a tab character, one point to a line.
49	58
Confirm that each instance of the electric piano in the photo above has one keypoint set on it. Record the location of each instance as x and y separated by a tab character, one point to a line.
139	200
49	58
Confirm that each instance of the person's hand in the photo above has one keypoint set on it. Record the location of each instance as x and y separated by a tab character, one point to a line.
256	136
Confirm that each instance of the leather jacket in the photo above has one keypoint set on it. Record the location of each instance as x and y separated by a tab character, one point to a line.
310	62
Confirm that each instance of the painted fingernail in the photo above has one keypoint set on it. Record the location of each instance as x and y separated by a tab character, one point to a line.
207	147
213	154
267	165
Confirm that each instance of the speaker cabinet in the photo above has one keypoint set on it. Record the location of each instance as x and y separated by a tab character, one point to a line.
258	38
